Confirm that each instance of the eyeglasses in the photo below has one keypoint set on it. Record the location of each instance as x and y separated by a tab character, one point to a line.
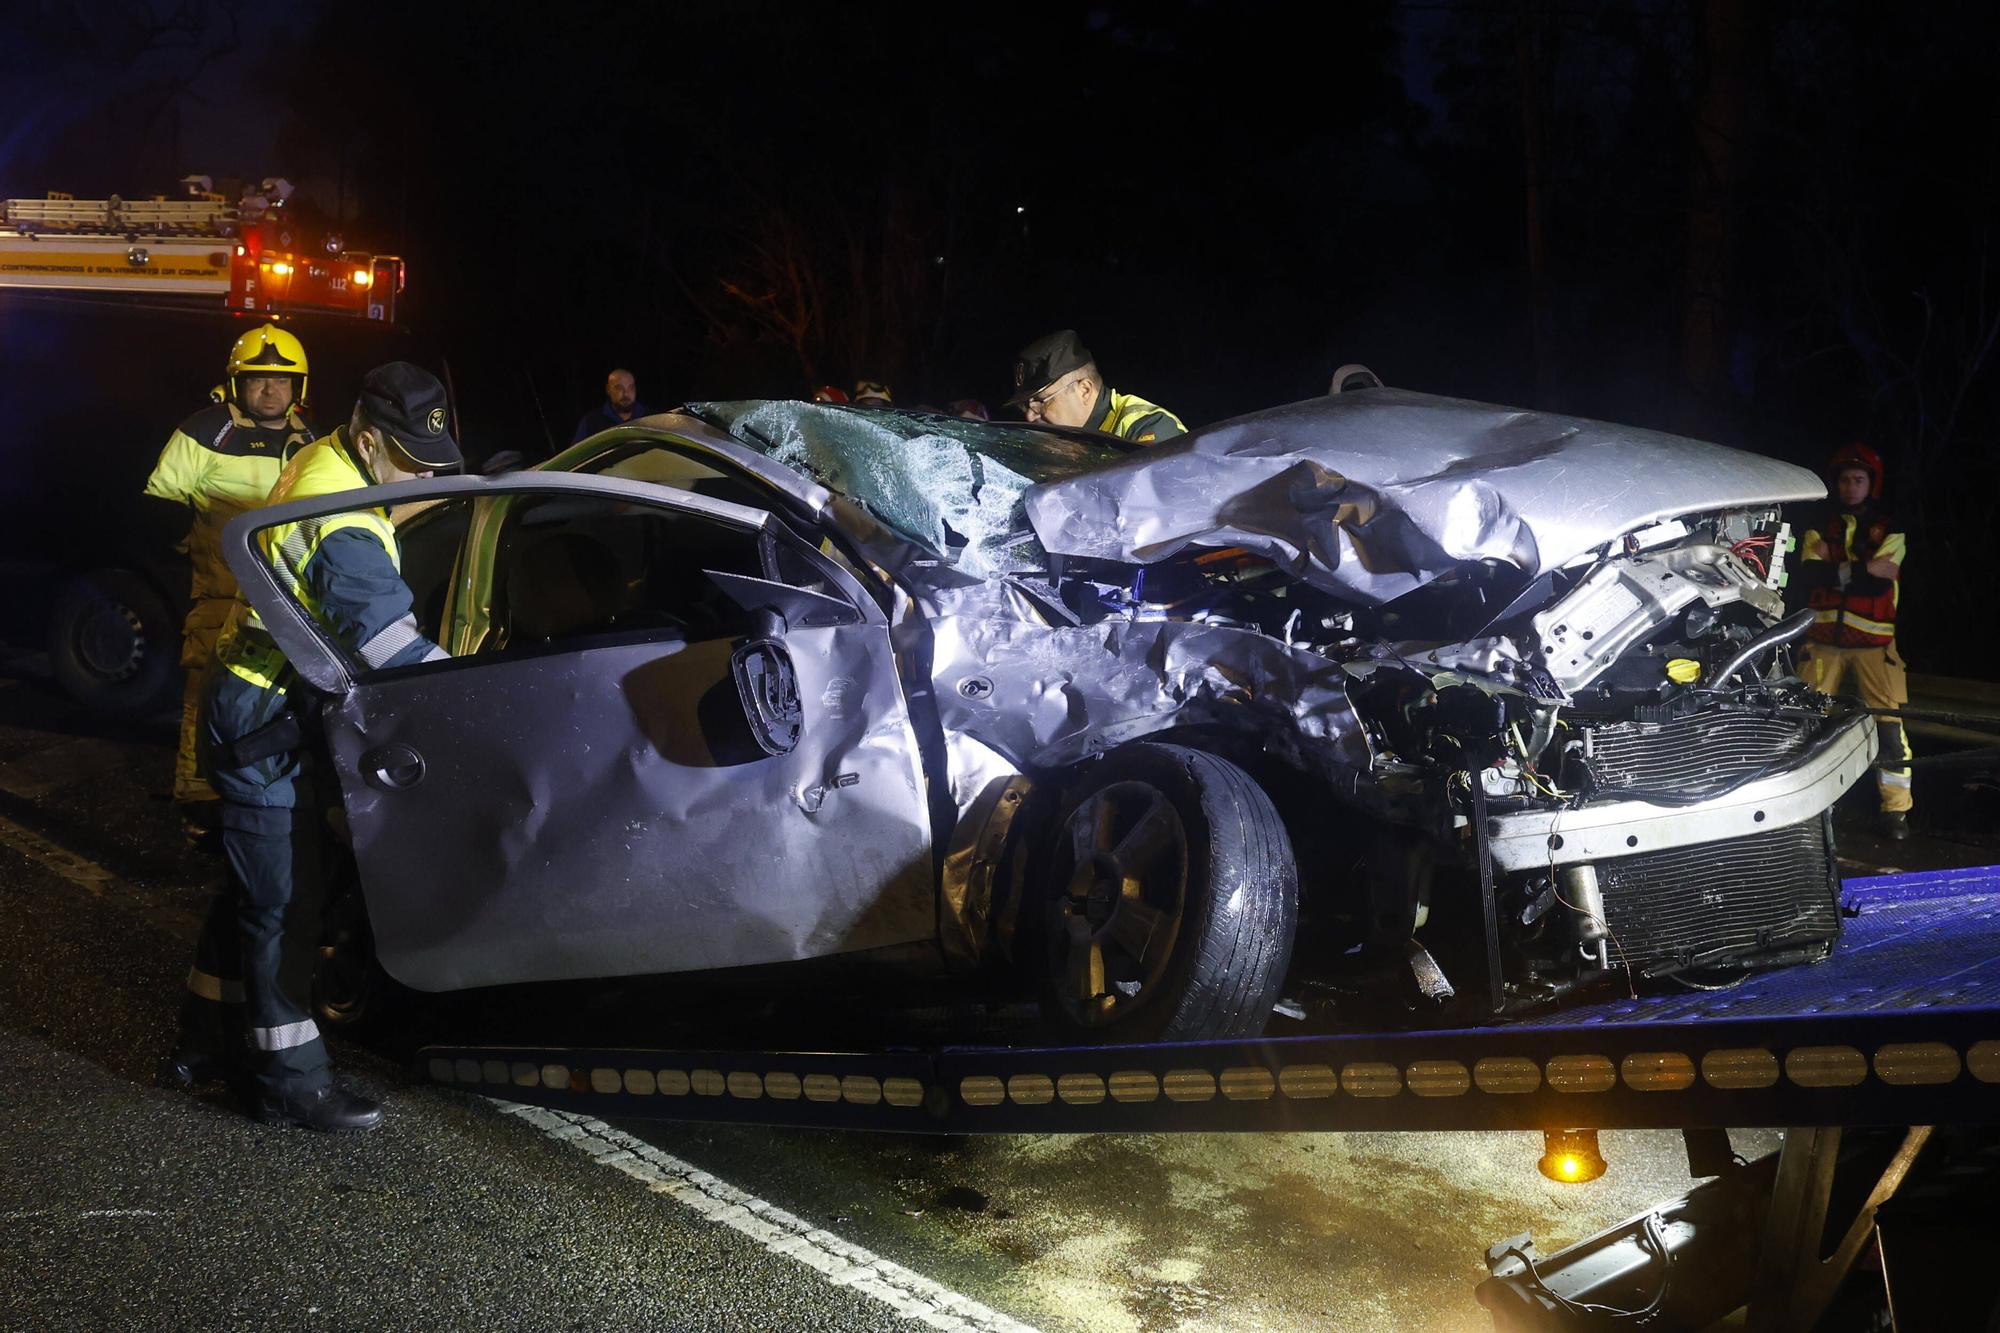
1039	402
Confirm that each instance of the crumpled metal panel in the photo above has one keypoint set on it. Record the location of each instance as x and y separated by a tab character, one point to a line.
1370	495
595	832
1047	695
988	792
955	486
1037	694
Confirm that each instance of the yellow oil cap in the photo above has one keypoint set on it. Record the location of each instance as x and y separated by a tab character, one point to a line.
1683	671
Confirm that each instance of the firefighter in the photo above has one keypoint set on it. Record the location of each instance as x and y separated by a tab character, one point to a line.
621	404
1851	566
345	571
1057	381
222	460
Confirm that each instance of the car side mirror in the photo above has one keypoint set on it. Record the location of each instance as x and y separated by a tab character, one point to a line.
799	606
767	684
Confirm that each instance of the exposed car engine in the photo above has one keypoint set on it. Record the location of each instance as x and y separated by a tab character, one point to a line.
1654	671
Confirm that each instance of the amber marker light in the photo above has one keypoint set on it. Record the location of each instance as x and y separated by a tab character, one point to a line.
363	278
1570	1156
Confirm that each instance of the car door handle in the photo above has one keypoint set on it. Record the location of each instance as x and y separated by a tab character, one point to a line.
392	767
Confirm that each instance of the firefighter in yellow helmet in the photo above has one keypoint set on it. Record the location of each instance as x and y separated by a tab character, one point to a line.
222	460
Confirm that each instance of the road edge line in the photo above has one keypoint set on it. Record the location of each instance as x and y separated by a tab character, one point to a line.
841	1262
79	870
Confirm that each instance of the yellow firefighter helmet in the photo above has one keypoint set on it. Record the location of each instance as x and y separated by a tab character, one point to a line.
268	350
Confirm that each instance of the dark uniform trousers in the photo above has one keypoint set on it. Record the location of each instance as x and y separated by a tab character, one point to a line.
247	996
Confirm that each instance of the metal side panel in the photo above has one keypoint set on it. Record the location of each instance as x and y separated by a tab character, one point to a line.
596	833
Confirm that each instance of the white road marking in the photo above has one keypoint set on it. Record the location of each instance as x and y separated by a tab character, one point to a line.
118	1212
80	871
24	1214
841	1262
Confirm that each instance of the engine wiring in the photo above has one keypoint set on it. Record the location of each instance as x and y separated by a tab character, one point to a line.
1755	551
1533	777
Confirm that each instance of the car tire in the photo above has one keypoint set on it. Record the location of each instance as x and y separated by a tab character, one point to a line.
351	992
1170	900
115	644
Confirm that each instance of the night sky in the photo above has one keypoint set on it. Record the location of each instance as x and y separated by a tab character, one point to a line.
1767	225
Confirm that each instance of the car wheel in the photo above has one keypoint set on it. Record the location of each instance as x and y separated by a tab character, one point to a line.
114	644
1172	900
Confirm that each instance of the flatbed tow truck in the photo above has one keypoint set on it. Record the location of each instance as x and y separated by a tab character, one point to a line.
1900	1027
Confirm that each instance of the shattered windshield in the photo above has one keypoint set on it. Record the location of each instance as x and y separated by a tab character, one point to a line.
950	484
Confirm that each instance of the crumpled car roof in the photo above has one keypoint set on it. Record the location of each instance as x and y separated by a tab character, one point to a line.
1372	494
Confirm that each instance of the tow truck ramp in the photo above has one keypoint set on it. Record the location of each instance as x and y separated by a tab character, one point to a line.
1900	1026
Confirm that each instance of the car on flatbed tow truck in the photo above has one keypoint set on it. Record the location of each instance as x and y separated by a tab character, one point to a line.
1455	688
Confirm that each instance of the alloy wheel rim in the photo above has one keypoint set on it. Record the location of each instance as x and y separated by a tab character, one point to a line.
1124	871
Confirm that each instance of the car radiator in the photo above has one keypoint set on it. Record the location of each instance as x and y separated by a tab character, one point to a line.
1699	755
1741	903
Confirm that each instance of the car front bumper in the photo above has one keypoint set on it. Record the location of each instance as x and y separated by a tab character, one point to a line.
1539	839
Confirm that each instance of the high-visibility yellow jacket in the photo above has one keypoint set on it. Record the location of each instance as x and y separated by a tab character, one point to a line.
1131	417
345	569
220	463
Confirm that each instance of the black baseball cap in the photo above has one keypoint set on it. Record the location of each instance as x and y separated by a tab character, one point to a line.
410	407
1046	360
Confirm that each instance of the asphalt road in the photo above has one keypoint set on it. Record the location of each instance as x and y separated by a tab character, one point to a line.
126	1206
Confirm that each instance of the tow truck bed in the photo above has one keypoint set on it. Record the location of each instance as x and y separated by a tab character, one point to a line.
1900	1026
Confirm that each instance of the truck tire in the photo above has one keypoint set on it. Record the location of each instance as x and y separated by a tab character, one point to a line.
115	644
1170	900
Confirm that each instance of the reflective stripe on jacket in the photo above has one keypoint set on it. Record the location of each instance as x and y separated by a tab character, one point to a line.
1864	616
325	467
1130	417
220	463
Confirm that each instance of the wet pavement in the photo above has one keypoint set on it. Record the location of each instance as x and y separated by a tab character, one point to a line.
132	1207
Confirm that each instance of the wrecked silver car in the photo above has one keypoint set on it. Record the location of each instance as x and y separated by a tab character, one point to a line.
1480	699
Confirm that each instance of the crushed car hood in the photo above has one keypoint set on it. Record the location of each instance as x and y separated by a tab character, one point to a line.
1372	494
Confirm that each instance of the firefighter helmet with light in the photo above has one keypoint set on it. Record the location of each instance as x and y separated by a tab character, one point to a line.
268	350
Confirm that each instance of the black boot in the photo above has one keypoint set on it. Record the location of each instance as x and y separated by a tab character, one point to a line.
1895	825
329	1109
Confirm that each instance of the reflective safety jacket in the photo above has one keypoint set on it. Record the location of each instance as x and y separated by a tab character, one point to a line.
345	569
1133	418
1862	613
220	463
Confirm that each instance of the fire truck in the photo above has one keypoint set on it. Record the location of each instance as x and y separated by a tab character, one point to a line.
116	315
250	255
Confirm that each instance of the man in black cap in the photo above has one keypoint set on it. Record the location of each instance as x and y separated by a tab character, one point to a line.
241	1018
1055	380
